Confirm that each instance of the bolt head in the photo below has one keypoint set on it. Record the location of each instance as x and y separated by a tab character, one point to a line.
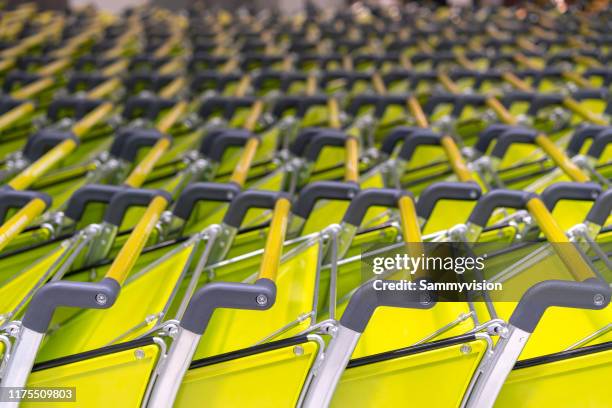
466	349
261	300
599	299
101	299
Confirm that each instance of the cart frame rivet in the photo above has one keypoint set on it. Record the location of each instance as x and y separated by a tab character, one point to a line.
101	299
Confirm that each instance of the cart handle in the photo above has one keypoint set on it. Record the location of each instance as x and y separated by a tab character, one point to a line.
240	173
591	294
10	198
581	135
481	213
567	190
417	111
260	295
322	190
142	170
568	101
367	299
217	141
356	316
600	143
530	136
203	191
95	295
44	140
128	197
387	197
99	193
446	141
395	136
430	138
445	190
247	200
128	143
600	211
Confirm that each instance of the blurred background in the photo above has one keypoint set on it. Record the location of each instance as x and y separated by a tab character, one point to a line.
288	6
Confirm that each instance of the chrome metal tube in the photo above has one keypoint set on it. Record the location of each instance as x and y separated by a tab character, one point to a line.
335	359
495	369
174	368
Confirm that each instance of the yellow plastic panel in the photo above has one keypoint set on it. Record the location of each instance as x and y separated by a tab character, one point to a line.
426	155
519	153
138	299
15	288
315	116
269	379
115	380
552	333
393	328
329	156
325	213
448	213
569	213
582	381
392	115
436	378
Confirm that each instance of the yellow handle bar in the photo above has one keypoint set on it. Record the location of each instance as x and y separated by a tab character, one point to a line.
566	250
516	82
32	89
15	114
239	175
171	117
130	251
116	68
411	230
91	119
352	160
561	159
576	78
54	67
448	143
577	108
35	170
243	86
251	122
311	84
448	83
456	159
173	88
274	243
13	226
140	173
334	113
104	88
417	112
379	84
500	110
